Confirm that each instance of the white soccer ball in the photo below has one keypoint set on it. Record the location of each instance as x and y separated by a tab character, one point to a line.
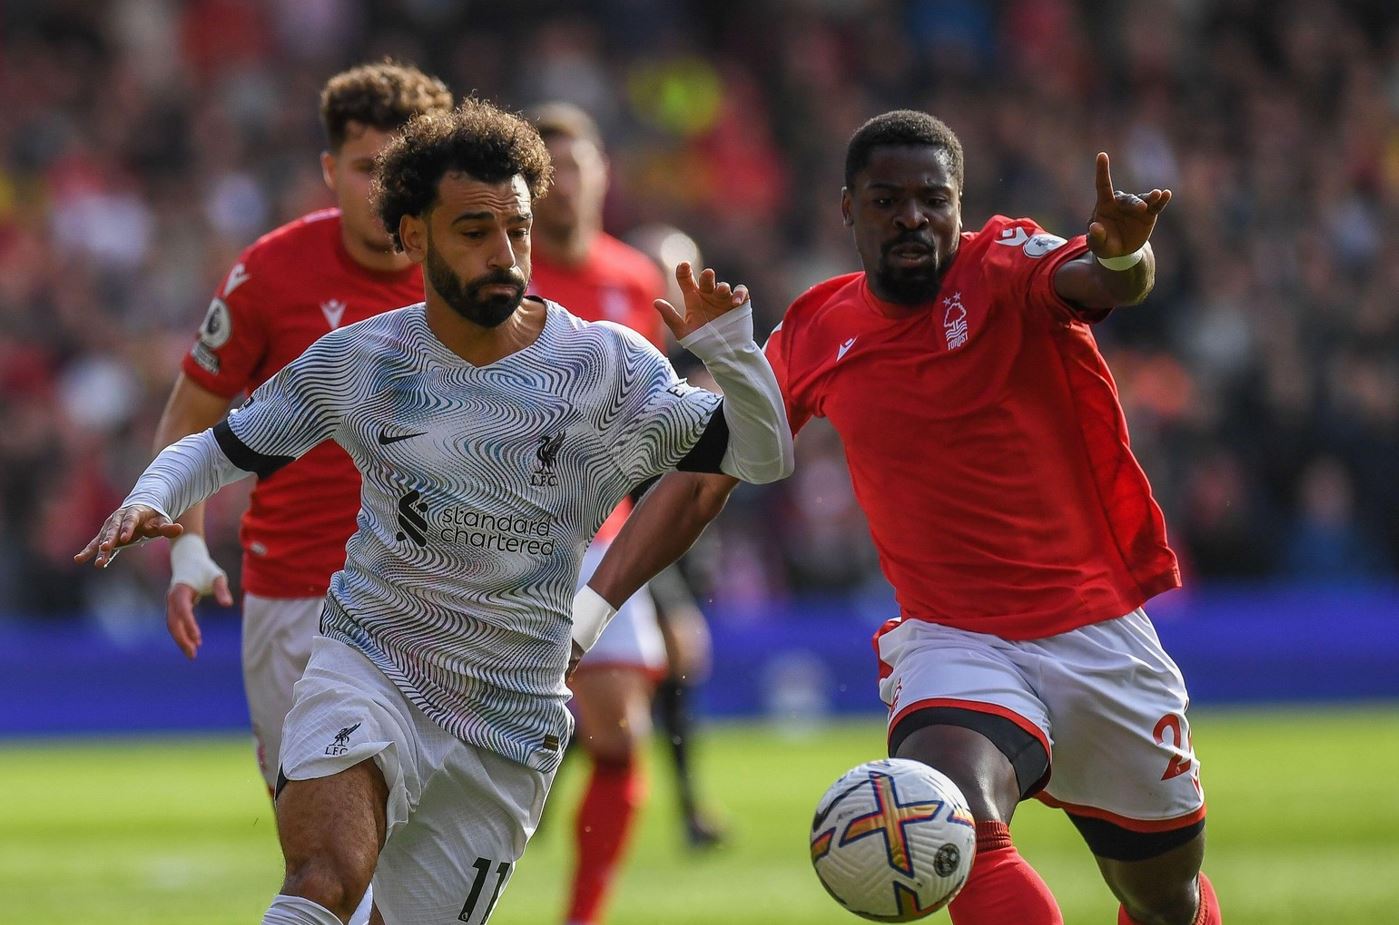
892	840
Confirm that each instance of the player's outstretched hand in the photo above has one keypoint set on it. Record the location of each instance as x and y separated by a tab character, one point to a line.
1121	222
126	527
705	299
574	657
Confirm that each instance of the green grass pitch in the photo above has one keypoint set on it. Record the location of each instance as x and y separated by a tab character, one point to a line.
1304	828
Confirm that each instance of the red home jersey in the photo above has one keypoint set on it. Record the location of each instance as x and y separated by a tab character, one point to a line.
985	440
617	283
289	288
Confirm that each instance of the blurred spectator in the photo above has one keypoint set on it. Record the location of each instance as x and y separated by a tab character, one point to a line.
144	143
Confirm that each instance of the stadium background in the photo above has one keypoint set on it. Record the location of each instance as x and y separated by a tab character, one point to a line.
144	143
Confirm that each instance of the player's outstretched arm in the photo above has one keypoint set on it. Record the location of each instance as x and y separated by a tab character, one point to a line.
1120	268
717	327
666	523
190	409
184	474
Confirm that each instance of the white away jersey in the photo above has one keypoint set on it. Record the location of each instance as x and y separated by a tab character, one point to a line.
481	489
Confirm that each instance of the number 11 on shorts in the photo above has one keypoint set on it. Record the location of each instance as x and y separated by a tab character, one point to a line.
483	868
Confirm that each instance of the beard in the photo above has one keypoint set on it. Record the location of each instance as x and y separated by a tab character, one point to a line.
909	285
466	299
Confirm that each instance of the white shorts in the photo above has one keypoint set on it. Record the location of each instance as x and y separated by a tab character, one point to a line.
1105	700
632	639
277	635
458	816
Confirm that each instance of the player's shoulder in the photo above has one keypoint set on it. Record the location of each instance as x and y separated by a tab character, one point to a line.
295	241
1004	238
822	299
383	334
602	337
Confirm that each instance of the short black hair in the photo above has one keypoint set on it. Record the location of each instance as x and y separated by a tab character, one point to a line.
477	138
902	127
382	95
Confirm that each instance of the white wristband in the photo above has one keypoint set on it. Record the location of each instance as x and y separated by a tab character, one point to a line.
191	564
1125	262
590	617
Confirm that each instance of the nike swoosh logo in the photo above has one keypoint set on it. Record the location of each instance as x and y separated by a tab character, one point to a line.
385	439
844	349
820	818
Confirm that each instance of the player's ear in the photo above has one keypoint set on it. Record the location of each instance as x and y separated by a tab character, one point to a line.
845	206
328	169
412	231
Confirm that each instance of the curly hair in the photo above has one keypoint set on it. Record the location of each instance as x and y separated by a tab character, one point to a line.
902	127
383	95
477	138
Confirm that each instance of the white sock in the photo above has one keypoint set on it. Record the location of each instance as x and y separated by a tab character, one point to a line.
294	910
361	914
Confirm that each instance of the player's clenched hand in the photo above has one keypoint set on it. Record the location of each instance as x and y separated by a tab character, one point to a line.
1122	222
705	299
126	527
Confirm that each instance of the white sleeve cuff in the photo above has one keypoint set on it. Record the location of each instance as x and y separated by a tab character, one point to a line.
591	614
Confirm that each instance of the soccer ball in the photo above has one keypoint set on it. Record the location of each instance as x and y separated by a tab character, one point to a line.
892	840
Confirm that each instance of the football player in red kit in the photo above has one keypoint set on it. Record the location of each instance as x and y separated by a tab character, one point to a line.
989	451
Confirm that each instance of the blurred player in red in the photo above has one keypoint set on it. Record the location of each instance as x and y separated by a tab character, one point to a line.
989	451
600	278
318	273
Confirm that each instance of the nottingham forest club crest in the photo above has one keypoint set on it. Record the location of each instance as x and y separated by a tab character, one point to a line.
548	450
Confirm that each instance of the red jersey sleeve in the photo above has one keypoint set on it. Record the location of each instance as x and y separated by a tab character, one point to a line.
1031	256
233	338
776	352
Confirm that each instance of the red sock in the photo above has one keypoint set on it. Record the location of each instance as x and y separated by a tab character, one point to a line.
1208	913
604	822
1003	887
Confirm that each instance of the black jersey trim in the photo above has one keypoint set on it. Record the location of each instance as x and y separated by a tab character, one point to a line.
244	456
707	454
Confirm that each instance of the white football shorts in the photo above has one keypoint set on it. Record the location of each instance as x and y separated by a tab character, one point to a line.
1105	700
277	634
458	816
632	639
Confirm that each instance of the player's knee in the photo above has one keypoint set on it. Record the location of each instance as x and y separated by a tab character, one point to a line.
1173	903
611	745
1154	874
336	881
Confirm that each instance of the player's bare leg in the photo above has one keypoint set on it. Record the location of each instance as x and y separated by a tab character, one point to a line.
331	830
1163	890
1002	887
614	719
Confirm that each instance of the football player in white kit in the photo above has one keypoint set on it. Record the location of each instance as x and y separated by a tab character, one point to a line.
493	434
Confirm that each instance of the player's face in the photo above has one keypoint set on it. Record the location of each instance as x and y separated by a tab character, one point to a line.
475	246
906	215
580	185
347	172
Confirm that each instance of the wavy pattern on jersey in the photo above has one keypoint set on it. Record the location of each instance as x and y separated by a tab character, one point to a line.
481	489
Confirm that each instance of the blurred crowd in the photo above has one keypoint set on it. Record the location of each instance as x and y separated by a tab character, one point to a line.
144	143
